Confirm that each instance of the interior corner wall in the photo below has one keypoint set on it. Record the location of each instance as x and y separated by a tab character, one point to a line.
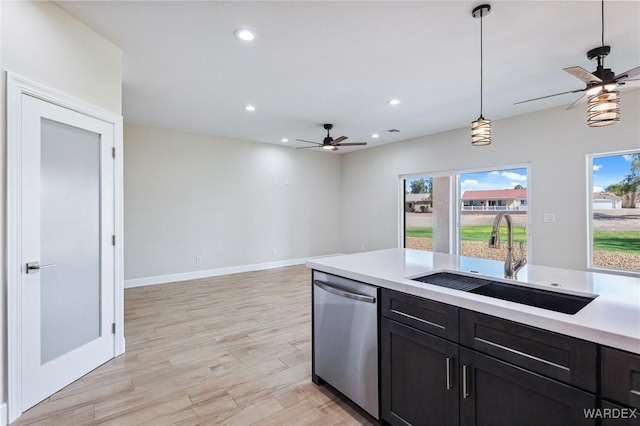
554	142
44	44
230	202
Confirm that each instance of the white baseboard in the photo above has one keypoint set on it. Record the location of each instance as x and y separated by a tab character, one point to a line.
163	279
3	414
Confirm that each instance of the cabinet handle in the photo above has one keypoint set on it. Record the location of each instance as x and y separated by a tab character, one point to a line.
465	390
448	373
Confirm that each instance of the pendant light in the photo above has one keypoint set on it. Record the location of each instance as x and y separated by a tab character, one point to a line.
481	128
603	104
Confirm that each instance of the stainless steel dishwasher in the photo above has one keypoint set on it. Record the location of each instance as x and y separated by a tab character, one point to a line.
345	338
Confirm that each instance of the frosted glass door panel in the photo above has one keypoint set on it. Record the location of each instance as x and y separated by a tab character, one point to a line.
70	238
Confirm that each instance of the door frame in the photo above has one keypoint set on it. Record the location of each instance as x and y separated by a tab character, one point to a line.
17	87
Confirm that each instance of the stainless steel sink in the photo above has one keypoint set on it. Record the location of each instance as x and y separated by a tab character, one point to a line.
545	299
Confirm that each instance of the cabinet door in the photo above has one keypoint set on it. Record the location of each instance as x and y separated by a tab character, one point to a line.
418	377
495	393
621	377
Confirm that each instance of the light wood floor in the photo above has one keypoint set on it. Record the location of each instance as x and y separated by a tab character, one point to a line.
226	350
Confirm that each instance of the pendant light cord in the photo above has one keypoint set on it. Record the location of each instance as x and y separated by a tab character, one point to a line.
602	39
602	16
481	15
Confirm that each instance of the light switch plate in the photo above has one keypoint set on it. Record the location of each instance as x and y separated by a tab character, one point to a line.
549	217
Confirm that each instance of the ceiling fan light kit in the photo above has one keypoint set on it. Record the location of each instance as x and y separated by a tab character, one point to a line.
603	101
481	128
603	109
329	143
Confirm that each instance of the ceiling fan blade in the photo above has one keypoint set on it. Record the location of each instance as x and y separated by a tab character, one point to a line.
582	99
583	75
550	96
307	147
302	140
338	140
351	143
627	74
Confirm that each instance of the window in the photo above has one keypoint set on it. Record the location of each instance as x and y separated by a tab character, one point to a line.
482	196
427	213
614	211
431	209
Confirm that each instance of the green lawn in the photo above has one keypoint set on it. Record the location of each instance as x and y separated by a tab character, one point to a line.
472	233
619	241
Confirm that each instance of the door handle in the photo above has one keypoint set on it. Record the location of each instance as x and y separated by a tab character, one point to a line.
448	372
33	267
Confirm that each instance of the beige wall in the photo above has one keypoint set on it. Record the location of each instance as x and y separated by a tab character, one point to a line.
40	42
189	195
553	142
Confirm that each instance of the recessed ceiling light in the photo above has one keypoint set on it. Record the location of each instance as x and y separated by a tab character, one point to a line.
284	140
249	108
375	135
393	101
244	34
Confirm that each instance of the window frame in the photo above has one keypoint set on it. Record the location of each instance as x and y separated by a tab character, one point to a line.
455	194
402	226
589	171
458	195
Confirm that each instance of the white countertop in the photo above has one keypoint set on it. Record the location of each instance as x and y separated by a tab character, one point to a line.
612	319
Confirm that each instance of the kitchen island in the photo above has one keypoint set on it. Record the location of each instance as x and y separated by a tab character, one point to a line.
455	357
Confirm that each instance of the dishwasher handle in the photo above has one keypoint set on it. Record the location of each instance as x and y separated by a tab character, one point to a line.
343	293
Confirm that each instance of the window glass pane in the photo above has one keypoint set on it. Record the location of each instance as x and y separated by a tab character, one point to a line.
70	225
427	210
483	196
615	207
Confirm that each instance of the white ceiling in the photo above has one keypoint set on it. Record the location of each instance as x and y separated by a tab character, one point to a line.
315	62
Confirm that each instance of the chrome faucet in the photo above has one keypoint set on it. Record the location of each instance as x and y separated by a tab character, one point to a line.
511	265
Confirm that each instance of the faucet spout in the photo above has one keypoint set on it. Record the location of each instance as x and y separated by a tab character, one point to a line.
511	264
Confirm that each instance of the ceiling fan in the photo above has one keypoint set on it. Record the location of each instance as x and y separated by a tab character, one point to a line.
330	143
602	79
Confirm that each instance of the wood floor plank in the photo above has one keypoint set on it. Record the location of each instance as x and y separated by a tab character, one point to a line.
229	350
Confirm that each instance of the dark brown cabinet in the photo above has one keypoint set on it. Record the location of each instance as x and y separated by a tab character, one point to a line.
621	377
418	377
617	415
553	355
500	394
498	373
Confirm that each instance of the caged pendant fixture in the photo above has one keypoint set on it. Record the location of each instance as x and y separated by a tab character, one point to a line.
600	92
481	128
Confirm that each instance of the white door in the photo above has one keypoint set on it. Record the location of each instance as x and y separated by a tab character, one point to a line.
66	216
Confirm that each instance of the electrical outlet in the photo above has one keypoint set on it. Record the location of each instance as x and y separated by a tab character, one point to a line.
549	217
362	247
198	259
274	251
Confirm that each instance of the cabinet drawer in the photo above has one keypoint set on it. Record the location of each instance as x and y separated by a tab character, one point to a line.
621	377
433	317
560	357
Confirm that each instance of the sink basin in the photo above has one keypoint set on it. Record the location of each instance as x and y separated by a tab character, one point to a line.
552	300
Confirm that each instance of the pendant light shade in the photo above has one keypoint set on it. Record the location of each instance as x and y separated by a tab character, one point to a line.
603	109
481	132
481	128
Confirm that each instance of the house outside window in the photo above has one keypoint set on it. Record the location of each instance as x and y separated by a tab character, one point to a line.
483	195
